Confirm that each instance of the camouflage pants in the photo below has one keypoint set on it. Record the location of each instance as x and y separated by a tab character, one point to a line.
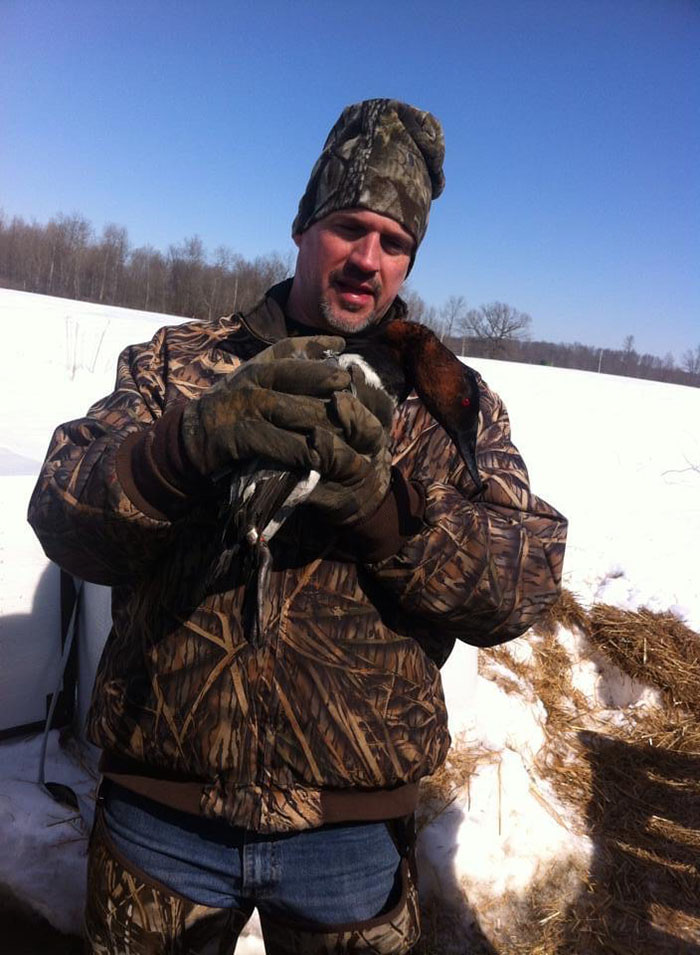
129	913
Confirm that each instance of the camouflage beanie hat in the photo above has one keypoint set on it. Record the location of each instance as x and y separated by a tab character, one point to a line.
381	155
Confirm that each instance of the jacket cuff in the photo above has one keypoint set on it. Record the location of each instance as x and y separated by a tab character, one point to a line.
399	516
155	472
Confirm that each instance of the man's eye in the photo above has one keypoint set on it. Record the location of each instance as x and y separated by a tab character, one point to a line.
395	246
347	229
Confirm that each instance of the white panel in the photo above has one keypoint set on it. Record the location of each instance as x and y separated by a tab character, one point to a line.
30	627
95	624
459	677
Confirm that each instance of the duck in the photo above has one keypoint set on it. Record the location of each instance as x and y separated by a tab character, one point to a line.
447	386
402	357
385	366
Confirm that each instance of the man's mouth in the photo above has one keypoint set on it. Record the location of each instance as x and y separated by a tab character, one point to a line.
354	293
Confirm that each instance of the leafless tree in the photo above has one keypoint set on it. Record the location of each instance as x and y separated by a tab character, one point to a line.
630	358
419	310
496	325
690	361
416	304
451	316
146	280
113	250
186	272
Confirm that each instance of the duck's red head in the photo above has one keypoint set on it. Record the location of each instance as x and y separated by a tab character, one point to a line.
448	388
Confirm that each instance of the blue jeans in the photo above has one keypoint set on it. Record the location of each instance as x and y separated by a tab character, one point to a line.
331	875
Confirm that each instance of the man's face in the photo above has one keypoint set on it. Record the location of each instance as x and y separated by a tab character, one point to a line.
350	267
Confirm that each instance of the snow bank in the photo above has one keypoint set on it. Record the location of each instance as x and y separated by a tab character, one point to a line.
620	457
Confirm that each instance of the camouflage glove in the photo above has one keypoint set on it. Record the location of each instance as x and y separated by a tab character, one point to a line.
355	469
266	408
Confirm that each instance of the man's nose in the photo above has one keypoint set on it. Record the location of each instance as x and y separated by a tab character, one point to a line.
366	252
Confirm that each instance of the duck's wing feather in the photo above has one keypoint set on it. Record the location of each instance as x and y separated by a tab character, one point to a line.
261	499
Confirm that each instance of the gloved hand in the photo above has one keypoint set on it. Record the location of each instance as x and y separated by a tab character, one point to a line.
266	408
355	469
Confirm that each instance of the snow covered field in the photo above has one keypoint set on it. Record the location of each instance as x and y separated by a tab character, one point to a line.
620	457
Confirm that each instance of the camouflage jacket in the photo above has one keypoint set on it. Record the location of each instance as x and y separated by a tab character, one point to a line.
339	712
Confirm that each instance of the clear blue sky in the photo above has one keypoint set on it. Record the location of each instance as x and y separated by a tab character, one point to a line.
572	129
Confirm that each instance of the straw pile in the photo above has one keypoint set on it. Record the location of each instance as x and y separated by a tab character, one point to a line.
631	776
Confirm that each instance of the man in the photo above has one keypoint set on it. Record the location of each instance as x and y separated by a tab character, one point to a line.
281	772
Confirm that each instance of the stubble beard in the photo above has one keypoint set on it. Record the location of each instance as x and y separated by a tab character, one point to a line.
338	319
345	323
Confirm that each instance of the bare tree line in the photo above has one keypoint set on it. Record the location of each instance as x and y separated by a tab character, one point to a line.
497	330
67	258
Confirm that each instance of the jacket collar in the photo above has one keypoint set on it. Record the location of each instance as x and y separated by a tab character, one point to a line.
266	321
